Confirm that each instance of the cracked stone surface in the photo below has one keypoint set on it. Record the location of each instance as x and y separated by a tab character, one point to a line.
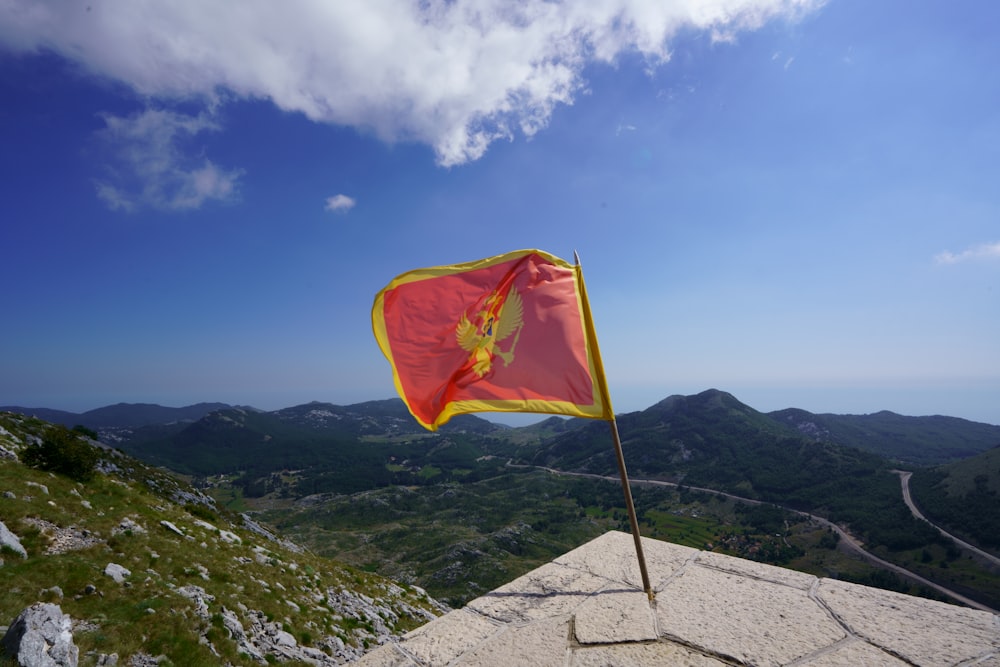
615	616
755	570
612	556
853	652
444	639
754	621
659	653
925	632
587	609
551	590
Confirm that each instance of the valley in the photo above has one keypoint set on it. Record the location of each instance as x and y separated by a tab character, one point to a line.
463	510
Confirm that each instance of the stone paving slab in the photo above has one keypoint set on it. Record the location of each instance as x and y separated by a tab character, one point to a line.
749	620
609	617
539	644
849	652
637	655
587	609
749	568
445	638
612	556
550	590
925	632
389	655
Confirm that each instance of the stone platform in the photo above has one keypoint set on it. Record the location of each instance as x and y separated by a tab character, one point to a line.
587	609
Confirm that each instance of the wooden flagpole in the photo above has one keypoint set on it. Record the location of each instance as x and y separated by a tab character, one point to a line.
633	521
622	472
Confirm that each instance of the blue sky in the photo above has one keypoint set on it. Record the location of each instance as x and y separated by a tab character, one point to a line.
790	200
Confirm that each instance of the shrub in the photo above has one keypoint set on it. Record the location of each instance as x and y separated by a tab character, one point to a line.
64	452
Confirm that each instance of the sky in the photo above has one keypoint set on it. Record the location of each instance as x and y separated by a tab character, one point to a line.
794	201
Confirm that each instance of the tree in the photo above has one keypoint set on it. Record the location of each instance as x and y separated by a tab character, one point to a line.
63	451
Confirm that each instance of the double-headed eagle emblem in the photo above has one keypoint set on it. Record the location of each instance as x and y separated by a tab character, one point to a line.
500	318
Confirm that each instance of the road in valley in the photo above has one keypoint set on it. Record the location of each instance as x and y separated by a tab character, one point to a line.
904	479
851	543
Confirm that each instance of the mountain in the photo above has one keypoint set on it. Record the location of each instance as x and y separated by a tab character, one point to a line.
710	439
122	415
911	440
463	509
147	566
54	416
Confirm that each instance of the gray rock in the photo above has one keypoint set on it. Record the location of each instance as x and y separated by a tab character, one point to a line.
11	541
172	528
41	637
199	597
117	572
129	527
141	659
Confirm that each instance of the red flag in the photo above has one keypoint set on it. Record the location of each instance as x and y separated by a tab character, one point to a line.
510	333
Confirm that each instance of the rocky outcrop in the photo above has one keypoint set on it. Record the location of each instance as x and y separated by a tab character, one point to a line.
11	541
117	572
170	553
41	637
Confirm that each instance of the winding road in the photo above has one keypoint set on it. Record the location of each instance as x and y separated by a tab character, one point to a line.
904	479
850	542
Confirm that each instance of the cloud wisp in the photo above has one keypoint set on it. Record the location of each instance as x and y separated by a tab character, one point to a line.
149	166
454	74
339	203
983	251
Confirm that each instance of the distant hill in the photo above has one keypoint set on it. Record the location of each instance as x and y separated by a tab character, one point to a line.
121	415
341	448
912	440
713	440
915	441
964	497
128	415
46	414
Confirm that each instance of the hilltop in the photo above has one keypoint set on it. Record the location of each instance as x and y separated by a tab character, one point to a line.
149	568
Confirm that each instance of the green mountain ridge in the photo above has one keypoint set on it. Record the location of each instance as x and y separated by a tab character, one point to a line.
309	469
913	440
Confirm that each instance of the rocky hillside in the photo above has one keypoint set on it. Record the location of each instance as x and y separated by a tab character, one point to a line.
142	569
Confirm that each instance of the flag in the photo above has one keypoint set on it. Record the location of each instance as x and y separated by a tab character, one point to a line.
510	333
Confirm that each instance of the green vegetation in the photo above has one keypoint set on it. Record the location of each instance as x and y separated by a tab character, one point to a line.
964	497
465	509
72	528
917	441
460	540
63	451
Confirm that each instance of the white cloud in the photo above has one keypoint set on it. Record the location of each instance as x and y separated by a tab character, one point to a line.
339	203
455	74
984	251
149	164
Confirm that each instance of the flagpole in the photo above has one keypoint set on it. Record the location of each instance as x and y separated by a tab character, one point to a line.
622	472
633	521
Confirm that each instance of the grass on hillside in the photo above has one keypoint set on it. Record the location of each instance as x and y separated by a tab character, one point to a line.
147	612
